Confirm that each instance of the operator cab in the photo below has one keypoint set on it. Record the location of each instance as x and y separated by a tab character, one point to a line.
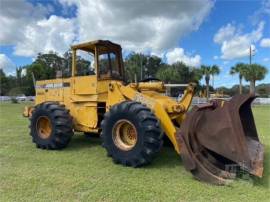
106	60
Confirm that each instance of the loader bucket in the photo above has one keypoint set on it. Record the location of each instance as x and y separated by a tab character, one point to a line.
218	138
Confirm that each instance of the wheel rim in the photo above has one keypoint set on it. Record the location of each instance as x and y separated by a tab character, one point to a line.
44	127
124	135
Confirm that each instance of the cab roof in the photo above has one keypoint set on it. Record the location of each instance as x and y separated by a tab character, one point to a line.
90	46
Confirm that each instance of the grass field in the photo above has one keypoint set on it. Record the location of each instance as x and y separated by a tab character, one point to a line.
83	172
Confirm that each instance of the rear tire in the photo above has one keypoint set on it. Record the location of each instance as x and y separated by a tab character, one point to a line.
131	134
51	126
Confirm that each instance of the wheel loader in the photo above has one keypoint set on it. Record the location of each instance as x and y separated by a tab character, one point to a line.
132	119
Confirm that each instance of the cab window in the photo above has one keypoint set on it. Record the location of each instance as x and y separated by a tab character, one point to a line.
108	62
104	66
114	65
84	63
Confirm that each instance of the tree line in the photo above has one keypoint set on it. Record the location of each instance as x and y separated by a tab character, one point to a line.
137	67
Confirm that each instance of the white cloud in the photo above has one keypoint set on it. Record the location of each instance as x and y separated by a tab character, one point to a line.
262	12
27	27
15	16
52	34
265	43
140	25
147	26
225	62
225	33
6	64
178	55
235	44
23	73
266	59
215	57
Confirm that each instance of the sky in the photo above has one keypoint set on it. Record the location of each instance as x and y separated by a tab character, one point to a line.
195	32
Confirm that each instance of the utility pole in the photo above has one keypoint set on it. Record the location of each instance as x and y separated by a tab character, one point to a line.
250	55
252	85
141	66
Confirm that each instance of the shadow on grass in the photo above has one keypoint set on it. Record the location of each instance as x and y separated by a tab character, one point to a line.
167	158
80	141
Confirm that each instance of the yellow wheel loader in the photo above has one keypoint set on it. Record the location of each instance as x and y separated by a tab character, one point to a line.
133	118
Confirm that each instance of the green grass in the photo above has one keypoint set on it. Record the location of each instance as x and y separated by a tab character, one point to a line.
83	172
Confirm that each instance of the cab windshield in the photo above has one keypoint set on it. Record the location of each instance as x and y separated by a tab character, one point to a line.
109	65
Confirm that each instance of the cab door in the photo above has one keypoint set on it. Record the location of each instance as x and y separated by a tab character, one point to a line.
84	79
83	94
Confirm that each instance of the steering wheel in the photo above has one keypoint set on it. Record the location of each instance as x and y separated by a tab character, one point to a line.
150	79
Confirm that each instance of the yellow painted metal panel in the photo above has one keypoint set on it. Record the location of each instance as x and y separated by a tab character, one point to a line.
85	115
40	96
84	85
51	90
54	94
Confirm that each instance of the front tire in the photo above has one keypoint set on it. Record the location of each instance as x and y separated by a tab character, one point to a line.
131	134
51	126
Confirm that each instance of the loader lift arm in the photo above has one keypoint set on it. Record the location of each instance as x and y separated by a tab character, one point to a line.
119	92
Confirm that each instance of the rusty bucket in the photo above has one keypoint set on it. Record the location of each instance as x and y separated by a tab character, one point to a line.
219	136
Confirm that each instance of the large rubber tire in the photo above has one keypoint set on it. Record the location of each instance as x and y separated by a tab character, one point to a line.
60	124
149	134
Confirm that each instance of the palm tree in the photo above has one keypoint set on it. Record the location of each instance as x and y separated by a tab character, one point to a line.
239	69
168	74
215	71
206	72
253	73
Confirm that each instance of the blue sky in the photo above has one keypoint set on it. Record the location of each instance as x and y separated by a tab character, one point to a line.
195	32
241	13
